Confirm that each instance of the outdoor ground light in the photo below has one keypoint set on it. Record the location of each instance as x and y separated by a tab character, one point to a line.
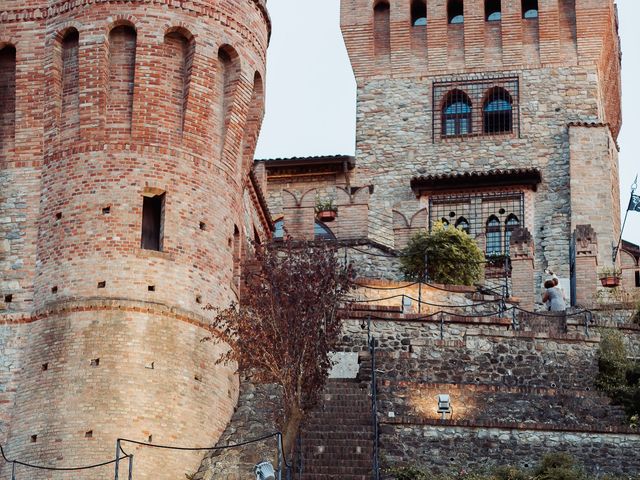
444	405
265	471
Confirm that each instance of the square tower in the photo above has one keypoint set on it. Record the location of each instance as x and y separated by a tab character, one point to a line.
489	115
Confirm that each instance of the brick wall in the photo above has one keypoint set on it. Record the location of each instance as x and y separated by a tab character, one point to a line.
128	107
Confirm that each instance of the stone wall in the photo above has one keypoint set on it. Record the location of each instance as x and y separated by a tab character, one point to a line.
445	448
515	394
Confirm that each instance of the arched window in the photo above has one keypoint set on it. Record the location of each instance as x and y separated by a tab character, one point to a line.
463	225
497	111
456	114
122	66
529	9
278	232
510	225
7	100
382	28
492	10
494	244
419	13
322	232
455	11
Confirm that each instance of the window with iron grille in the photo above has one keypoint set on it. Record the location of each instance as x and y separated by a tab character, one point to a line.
468	108
493	215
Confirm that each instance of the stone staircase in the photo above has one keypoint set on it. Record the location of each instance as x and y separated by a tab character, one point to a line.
337	437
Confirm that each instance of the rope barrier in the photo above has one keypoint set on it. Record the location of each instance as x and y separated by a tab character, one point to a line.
199	449
57	469
127	455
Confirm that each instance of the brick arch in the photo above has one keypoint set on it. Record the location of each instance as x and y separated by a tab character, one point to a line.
294	201
67	84
179	50
253	123
227	79
420	216
305	198
400	220
343	196
122	42
180	29
121	21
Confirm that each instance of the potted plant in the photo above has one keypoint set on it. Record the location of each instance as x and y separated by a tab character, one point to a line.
326	211
610	277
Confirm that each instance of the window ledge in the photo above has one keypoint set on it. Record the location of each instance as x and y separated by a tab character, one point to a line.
144	253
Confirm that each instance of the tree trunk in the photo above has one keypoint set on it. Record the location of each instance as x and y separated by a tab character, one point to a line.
291	428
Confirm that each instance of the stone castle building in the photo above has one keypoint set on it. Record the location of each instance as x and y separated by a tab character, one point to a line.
127	199
489	116
127	132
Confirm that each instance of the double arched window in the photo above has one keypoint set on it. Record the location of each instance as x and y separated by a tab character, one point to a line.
459	118
456	114
497	111
495	234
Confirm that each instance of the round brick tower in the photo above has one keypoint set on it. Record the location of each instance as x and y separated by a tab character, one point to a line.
134	126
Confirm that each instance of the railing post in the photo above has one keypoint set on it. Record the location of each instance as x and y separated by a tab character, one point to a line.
13	470
117	459
514	322
374	404
131	466
279	437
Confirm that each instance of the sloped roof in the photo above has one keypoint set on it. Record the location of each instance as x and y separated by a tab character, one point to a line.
322	160
475	179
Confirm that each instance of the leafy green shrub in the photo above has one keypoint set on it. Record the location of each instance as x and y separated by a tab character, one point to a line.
618	376
558	466
510	473
452	256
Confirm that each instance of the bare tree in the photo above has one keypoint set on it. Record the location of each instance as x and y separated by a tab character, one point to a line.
287	322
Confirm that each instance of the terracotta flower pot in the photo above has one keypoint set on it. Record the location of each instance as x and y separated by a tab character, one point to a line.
610	282
327	215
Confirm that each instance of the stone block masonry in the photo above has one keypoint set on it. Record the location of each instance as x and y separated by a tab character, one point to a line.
123	125
516	395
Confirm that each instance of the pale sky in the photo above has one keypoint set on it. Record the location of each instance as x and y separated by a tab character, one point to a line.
311	92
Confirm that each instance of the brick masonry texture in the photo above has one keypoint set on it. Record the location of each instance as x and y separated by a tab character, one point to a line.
115	101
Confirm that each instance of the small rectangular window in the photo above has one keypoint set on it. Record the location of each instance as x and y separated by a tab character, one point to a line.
638	279
152	222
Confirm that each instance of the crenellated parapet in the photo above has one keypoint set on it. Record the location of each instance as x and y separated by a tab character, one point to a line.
427	37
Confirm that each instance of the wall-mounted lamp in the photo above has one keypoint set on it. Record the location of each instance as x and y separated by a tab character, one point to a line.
265	471
444	405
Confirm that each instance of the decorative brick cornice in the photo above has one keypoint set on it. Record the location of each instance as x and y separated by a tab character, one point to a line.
110	304
196	7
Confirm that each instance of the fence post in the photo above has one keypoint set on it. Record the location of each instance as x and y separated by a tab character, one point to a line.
279	437
130	466
117	459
